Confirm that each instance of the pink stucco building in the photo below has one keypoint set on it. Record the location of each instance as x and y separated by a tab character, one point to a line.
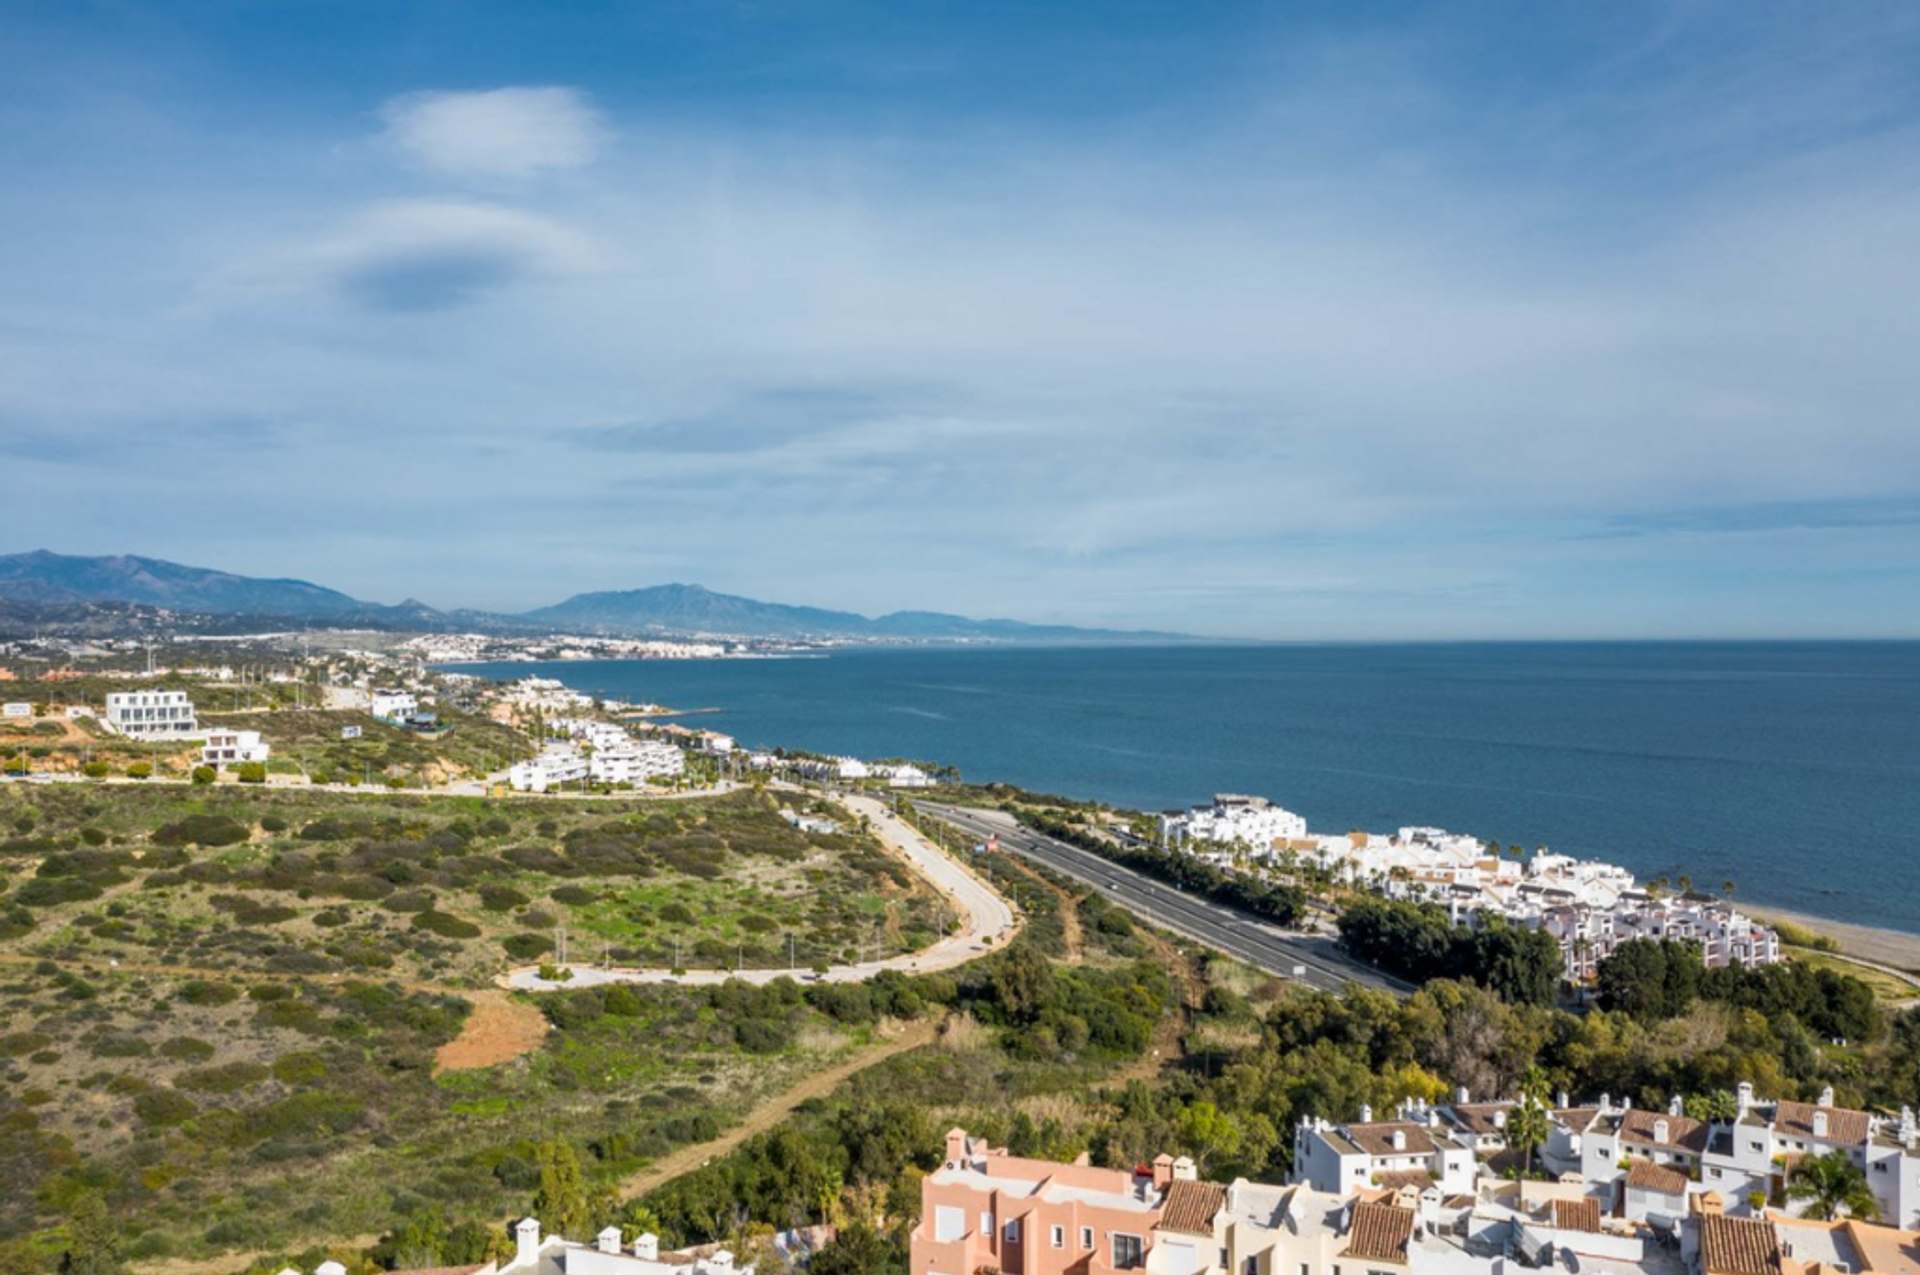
985	1210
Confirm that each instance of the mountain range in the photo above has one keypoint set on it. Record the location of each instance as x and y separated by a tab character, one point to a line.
41	582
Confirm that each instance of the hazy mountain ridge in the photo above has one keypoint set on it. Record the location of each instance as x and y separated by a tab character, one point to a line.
52	586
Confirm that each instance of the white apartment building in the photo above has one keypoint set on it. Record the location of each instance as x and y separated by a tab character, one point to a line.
152	714
556	766
231	747
636	762
1392	1153
1233	819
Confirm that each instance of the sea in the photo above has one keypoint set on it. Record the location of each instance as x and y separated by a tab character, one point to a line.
1789	769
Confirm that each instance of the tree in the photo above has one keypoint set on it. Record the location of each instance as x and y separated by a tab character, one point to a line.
93	1241
1207	1132
1833	1184
1527	1122
561	1202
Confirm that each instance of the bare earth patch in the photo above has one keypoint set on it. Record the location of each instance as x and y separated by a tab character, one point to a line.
500	1029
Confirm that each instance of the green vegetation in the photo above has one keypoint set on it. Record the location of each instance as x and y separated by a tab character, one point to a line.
223	1003
1419	942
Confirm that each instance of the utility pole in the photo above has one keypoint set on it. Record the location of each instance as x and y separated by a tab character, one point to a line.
789	953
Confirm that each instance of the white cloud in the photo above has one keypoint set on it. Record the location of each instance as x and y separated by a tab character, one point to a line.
510	132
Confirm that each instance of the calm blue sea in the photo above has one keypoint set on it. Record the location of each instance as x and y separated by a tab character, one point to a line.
1792	769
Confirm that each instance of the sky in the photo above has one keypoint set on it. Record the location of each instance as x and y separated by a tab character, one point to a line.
1292	321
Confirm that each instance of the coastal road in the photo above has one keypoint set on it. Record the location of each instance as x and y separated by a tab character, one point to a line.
1268	947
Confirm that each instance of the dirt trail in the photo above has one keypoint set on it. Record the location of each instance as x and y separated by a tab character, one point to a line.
1068	907
1166	1049
498	1030
774	1110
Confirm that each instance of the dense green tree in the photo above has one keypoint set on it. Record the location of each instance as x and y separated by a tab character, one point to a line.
561	1201
93	1239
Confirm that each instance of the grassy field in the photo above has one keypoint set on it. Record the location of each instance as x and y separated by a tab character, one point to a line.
219	1007
1887	989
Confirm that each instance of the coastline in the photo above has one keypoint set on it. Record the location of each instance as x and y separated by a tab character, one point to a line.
1891	948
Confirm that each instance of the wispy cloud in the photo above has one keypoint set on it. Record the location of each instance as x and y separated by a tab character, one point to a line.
509	133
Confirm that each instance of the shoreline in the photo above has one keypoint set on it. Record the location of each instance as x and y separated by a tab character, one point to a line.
1868	943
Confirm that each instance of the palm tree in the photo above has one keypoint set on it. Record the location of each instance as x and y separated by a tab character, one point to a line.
1832	1183
1527	1125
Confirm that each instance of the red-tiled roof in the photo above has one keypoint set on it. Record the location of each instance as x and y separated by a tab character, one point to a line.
1577	1215
1418	1179
1645	1175
1738	1246
1379	1233
1795	1119
1377	1138
1190	1206
1683	1132
1480	1117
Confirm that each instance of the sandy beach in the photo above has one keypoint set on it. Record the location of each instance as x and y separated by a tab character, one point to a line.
1882	947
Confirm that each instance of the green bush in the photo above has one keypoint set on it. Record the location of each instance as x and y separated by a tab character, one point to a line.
204	775
202	830
446	925
163	1108
251	772
200	992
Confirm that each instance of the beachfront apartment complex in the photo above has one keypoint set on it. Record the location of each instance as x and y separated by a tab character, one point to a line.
152	715
1589	908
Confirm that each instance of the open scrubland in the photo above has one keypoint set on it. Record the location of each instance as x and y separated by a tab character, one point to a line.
221	1008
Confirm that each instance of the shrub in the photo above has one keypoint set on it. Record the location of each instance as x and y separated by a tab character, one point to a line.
299	1069
524	947
227	1078
186	1049
446	925
202	830
96	770
204	775
251	772
163	1108
140	770
201	992
500	898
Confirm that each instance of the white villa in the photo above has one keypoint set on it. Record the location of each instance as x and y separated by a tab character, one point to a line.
231	747
152	714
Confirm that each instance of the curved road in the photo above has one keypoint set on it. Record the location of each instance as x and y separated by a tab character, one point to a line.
989	924
1308	958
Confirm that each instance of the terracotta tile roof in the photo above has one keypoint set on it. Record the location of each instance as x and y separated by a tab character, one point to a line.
1377	1138
1418	1179
1479	1117
1190	1206
1577	1215
1379	1233
1645	1175
1576	1118
1683	1132
1795	1119
1738	1246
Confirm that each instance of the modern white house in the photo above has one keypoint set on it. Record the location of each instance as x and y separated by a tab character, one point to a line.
231	747
152	714
635	761
557	765
393	706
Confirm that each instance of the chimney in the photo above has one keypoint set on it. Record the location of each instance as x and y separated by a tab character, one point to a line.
1399	1139
721	1263
1500	1119
1162	1171
1675	1107
1184	1170
526	1242
1745	1092
329	1268
1660	1130
1907	1128
647	1247
608	1240
1820	1124
956	1146
1461	1095
1366	1113
1560	1100
1826	1096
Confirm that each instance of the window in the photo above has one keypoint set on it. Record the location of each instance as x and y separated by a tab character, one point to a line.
1058	1237
1086	1237
1126	1252
1013	1230
986	1225
1226	1260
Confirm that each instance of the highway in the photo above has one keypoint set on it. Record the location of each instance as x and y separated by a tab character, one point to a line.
1308	958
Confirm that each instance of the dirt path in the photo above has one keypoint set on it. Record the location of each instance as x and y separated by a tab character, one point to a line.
1166	1049
774	1110
498	1030
1068	907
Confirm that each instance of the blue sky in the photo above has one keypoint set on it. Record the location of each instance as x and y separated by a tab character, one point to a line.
1295	321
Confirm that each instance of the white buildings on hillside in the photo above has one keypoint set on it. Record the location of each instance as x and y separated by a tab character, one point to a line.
152	714
600	751
1392	1153
232	747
